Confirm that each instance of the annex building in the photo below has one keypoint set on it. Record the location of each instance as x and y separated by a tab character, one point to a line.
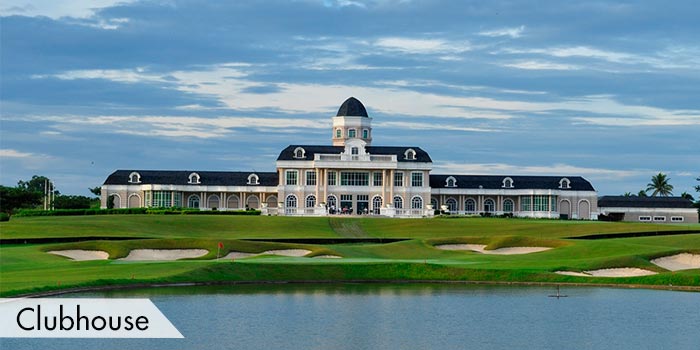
351	176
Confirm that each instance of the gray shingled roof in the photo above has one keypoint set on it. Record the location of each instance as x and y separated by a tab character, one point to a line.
309	151
352	107
519	182
181	177
643	202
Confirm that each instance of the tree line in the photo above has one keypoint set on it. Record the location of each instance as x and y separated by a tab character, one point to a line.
30	194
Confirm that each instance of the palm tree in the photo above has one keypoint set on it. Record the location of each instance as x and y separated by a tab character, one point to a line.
687	196
642	193
660	185
627	194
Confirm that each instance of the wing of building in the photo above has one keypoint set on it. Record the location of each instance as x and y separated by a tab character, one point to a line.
647	209
351	176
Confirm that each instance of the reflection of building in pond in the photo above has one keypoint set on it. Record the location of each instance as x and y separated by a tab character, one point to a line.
352	176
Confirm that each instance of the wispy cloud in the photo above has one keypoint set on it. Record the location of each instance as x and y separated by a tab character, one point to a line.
541	65
11	153
56	9
514	32
422	46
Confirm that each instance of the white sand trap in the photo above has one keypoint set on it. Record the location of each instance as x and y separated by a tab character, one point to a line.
684	261
621	272
237	255
287	252
572	273
480	248
82	255
327	257
164	254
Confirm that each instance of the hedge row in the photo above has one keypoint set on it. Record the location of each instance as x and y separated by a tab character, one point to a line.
155	211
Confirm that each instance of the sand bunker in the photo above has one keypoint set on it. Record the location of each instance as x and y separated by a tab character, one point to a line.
327	257
572	273
287	252
617	272
684	261
237	255
164	254
480	248
82	255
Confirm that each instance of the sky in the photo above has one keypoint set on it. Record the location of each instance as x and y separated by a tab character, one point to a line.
607	90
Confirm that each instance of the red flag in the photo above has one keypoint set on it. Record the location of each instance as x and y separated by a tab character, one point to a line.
221	244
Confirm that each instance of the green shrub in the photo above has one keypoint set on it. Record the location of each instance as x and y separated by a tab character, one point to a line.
4	217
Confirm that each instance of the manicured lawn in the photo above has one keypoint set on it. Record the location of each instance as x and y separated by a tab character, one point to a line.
28	268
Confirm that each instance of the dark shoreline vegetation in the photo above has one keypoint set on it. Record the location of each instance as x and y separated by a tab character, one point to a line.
373	250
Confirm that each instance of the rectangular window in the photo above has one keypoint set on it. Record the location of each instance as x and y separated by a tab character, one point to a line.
348	178
525	203
541	203
346	197
398	180
332	178
645	218
378	179
162	199
365	134
417	179
147	202
554	203
362	197
677	218
659	218
292	177
310	178
352	133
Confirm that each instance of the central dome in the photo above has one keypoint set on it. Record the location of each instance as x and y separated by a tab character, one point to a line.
352	107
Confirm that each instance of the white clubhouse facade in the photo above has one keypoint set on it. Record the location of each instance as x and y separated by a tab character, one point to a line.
352	177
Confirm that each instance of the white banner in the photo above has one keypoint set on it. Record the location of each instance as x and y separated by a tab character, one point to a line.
83	318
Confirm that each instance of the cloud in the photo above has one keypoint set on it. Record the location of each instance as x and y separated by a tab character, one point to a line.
57	9
11	153
430	126
541	65
515	32
421	46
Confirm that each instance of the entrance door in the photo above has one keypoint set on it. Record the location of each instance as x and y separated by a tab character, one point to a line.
362	204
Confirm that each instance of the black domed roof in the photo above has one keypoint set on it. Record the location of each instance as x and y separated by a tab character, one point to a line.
352	107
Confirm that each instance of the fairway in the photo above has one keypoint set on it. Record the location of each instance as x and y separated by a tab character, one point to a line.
27	268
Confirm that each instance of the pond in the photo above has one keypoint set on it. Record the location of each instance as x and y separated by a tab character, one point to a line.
408	316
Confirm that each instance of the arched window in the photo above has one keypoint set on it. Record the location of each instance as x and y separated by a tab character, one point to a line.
253	202
310	201
338	133
134	201
291	201
489	206
398	202
193	201
271	201
410	154
213	201
451	182
451	204
352	133
434	203
194	178
299	152
470	205
253	179
376	204
564	183
332	201
507	183
233	202
134	178
417	202
508	206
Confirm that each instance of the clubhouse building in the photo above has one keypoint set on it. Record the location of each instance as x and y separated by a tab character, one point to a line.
351	176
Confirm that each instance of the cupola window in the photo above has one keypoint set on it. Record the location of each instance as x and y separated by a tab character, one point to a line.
338	133
352	133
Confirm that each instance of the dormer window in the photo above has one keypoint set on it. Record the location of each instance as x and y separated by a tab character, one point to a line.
299	153
134	178
507	183
564	183
410	154
352	133
194	178
451	182
355	151
253	179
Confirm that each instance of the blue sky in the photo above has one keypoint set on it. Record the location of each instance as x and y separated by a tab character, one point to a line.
608	90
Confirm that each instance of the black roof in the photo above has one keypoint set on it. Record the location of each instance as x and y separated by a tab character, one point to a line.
643	202
577	183
352	107
181	177
309	151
